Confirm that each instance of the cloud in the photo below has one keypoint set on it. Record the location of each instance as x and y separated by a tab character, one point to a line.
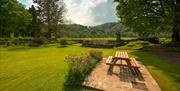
91	12
87	12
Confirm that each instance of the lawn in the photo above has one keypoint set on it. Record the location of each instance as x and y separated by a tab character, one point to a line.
36	69
43	68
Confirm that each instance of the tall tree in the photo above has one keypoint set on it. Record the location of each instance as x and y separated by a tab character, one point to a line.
150	17
51	13
13	18
35	25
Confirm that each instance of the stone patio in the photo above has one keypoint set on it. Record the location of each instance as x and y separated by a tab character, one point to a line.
120	79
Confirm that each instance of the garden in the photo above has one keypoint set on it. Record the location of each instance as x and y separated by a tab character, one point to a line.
75	45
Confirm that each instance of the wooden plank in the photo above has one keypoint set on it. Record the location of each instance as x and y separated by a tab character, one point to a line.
119	54
109	60
127	55
123	56
134	63
116	54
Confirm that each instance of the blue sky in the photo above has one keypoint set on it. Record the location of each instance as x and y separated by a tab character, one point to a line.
87	12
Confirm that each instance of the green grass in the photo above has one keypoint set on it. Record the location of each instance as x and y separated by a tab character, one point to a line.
164	72
43	68
134	45
36	69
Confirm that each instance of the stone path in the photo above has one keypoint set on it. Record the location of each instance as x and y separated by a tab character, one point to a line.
120	79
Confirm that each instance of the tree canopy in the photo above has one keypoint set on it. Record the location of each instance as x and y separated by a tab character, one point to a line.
150	17
51	13
14	18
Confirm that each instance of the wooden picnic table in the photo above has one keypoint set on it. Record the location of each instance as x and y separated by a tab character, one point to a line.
122	56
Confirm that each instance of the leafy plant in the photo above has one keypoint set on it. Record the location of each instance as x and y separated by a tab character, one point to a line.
63	41
37	41
96	54
80	66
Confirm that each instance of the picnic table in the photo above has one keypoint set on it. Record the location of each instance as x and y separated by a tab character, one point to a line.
131	63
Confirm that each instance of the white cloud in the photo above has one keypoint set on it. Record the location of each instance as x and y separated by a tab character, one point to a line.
87	12
91	12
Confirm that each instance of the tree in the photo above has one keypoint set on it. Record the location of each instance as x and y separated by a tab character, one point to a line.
51	13
35	25
150	17
14	18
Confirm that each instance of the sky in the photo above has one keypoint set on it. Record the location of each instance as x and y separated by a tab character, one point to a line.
87	12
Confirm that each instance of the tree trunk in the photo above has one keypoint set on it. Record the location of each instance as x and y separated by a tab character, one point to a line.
176	27
118	36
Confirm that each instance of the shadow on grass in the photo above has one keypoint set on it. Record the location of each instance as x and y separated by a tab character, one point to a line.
62	46
156	65
27	47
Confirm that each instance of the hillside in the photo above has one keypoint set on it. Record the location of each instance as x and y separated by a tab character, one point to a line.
103	30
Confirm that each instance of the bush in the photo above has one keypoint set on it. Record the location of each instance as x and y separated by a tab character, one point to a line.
37	41
63	41
80	66
96	54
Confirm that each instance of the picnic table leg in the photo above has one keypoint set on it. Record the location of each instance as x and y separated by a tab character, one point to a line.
130	67
112	65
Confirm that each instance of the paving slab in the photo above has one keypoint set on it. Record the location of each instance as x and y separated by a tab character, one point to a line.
120	79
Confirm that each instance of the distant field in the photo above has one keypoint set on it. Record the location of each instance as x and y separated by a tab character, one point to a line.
43	68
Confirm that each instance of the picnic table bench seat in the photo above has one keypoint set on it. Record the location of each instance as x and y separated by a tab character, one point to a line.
109	60
134	63
135	66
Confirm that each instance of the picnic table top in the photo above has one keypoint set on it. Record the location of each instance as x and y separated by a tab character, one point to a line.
120	54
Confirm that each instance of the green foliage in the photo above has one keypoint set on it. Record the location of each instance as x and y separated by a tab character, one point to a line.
37	41
96	54
104	30
51	13
147	17
136	45
63	41
164	41
80	66
35	25
14	18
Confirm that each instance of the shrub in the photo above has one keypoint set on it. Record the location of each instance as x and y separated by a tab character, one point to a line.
63	41
80	66
76	66
96	54
37	41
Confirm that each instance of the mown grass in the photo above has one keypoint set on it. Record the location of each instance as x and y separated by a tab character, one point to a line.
43	68
166	74
36	69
